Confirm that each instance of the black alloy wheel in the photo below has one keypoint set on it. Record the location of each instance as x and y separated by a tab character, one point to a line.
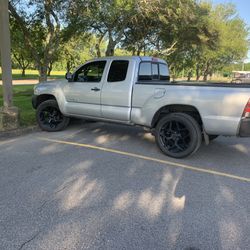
178	135
50	118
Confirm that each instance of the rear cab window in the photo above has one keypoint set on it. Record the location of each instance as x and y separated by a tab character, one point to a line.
153	72
118	71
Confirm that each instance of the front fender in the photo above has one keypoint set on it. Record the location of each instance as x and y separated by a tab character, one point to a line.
50	88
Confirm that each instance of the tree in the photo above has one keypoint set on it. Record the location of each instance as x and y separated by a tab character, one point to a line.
79	49
193	36
232	45
139	31
20	54
221	40
42	29
184	31
107	19
177	30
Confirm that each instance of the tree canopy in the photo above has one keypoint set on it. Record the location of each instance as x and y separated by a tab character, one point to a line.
193	36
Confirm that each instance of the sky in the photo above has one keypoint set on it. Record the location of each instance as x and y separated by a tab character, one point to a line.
243	7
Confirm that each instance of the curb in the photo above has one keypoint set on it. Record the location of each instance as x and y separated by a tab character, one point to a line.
18	132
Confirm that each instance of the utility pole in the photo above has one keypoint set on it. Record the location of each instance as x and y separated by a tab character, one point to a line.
9	115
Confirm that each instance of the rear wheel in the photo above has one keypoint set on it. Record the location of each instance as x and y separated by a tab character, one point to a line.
178	135
50	118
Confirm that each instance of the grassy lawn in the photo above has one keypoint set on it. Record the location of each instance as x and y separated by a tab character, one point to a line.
22	100
33	74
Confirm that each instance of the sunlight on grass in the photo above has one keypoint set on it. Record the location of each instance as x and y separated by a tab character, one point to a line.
35	72
32	74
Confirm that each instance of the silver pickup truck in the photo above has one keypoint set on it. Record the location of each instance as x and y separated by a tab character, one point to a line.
137	91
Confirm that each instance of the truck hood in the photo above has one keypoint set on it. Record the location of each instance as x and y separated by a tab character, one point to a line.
49	87
53	82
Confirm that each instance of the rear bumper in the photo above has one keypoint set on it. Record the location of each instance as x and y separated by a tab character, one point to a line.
34	101
245	128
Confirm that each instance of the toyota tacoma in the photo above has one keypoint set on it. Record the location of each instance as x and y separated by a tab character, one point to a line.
137	91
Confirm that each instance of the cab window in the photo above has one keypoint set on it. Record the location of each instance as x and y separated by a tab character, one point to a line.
155	71
118	71
164	73
145	71
91	72
149	71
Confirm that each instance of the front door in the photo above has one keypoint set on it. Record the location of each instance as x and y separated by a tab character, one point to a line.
117	90
83	95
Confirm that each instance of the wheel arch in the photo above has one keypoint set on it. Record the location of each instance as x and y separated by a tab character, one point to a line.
42	98
177	108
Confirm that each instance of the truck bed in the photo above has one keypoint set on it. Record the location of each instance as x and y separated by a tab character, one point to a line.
211	84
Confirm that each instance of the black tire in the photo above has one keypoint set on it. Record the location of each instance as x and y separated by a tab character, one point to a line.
178	135
212	137
50	118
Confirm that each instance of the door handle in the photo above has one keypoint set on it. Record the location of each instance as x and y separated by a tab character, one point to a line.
95	89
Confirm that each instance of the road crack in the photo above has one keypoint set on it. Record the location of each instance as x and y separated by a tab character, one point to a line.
27	241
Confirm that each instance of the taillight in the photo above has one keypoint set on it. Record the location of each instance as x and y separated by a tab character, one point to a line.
246	112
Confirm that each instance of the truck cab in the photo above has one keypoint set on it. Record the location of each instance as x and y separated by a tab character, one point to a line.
102	88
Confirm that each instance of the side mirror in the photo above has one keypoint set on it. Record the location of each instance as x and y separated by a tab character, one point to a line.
69	76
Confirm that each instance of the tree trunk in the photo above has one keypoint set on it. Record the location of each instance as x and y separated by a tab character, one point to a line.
210	75
173	76
5	55
206	72
43	73
68	67
197	72
98	51
49	71
50	68
111	48
23	71
205	77
189	76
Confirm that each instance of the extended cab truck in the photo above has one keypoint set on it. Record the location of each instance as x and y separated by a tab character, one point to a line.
137	91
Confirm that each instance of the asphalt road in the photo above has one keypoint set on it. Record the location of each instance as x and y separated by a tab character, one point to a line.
105	186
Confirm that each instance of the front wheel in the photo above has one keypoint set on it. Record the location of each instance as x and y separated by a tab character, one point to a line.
178	135
50	118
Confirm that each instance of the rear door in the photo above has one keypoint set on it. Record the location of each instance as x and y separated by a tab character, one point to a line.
116	96
83	95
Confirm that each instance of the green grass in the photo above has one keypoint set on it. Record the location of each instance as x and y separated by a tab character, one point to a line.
22	100
33	74
23	94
